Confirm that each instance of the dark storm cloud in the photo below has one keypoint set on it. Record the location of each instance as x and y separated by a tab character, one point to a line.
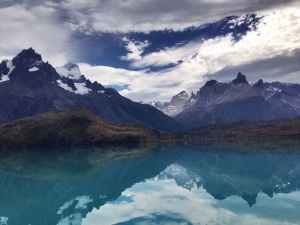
272	69
145	15
148	15
26	2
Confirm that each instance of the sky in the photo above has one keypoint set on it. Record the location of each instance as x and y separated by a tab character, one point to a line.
153	49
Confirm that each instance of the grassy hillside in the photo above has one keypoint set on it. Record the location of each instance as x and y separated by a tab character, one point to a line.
264	130
72	127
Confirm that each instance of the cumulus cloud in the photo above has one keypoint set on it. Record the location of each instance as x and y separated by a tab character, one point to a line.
271	52
22	27
135	49
140	84
166	56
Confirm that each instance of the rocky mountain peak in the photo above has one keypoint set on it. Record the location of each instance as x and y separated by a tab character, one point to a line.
28	86
193	95
27	58
182	94
211	83
180	98
71	71
259	84
240	79
70	65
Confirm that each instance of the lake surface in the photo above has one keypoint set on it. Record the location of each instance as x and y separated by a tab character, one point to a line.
247	183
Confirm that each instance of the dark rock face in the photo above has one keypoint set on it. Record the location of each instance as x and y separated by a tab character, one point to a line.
259	84
27	58
35	87
3	69
211	83
241	79
240	101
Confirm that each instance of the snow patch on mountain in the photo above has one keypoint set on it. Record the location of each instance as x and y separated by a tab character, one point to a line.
64	86
176	104
10	67
33	69
173	107
158	104
81	88
70	70
4	78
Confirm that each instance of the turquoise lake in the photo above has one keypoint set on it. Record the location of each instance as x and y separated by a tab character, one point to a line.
221	183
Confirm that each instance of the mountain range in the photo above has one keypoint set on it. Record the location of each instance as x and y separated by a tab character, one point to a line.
30	86
233	101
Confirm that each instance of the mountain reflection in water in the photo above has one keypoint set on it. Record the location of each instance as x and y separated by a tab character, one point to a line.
205	184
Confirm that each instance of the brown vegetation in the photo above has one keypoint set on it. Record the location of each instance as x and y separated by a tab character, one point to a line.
72	127
260	130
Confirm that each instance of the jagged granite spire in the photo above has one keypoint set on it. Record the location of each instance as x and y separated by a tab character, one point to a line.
211	83
27	58
193	95
240	79
259	84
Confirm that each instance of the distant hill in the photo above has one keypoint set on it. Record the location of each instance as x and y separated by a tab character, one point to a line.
30	86
72	127
250	130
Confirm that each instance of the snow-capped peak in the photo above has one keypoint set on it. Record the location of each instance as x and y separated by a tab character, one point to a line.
158	104
182	95
70	70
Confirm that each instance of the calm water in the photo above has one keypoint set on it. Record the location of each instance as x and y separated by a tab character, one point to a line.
208	184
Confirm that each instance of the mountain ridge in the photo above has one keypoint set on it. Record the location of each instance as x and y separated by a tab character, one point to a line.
29	86
73	127
238	100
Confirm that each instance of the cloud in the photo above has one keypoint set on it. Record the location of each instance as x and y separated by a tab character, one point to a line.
271	49
149	15
283	68
166	56
135	49
271	52
109	75
140	85
22	27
